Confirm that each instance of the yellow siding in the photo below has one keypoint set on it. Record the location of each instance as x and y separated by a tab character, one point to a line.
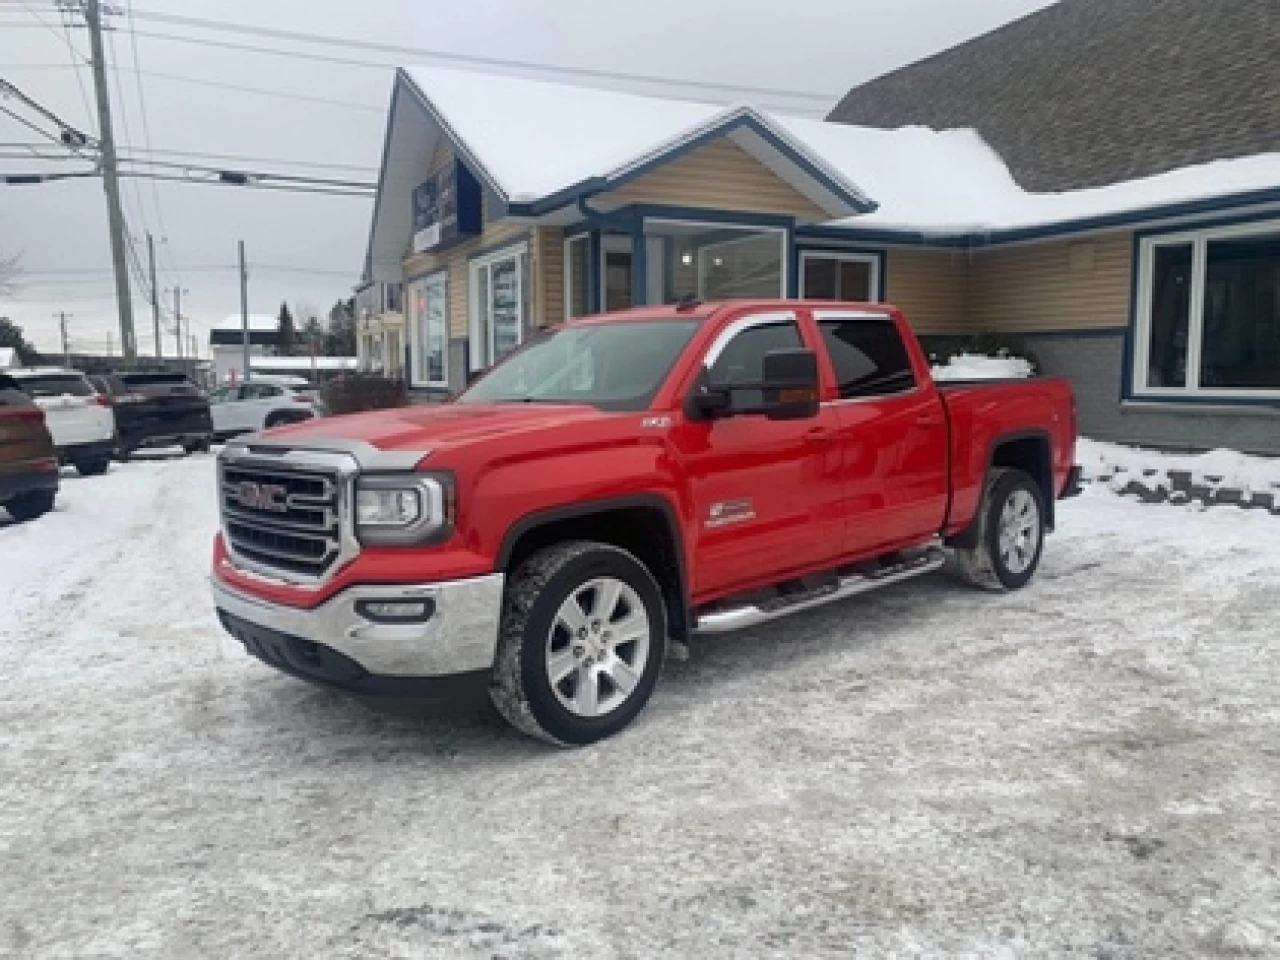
719	176
548	272
1064	285
930	287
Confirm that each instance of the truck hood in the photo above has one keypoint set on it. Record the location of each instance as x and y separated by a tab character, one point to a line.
439	427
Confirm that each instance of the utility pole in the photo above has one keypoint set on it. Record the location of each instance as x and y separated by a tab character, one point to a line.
155	296
111	180
62	316
244	312
177	318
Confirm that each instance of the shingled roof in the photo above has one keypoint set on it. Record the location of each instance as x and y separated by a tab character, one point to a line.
1092	92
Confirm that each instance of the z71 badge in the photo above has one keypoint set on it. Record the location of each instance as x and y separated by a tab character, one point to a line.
731	511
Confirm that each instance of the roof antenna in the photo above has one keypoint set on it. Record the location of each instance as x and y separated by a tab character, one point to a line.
688	302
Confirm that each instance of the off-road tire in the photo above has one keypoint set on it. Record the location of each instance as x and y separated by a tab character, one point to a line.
30	505
93	468
981	564
520	689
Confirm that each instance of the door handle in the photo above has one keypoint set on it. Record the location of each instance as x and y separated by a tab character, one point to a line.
819	436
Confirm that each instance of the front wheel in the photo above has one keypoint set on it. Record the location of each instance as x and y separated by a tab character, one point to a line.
29	506
581	643
1010	536
93	468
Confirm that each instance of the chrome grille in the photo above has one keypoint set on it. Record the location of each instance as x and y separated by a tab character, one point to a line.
282	518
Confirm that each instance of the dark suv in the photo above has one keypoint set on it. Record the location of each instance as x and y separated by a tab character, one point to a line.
28	461
156	409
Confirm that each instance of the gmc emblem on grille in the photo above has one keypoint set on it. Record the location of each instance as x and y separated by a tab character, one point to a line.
262	496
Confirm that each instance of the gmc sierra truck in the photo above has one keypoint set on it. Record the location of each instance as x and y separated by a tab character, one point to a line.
623	483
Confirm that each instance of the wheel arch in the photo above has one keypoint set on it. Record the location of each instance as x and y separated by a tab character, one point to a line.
645	525
1030	451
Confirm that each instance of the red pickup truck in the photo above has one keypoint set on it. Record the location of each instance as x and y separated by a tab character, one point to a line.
622	483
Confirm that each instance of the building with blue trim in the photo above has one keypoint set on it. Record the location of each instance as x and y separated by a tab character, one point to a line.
507	204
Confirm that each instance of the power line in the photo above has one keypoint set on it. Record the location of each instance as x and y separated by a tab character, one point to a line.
217	85
197	156
470	59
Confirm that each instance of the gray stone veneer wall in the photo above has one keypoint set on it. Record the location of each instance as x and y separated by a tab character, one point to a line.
1094	362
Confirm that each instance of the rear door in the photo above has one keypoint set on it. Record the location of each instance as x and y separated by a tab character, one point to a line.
71	407
892	434
261	399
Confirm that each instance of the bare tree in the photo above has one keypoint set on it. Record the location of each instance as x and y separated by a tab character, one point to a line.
9	273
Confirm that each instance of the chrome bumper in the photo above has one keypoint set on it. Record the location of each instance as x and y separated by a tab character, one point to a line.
461	635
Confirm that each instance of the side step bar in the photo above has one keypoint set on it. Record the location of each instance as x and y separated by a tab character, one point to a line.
740	618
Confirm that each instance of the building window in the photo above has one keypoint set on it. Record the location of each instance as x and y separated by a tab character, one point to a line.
499	307
713	261
428	316
577	279
840	276
1208	321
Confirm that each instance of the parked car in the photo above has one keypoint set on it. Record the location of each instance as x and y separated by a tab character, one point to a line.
260	404
621	482
156	409
28	461
80	420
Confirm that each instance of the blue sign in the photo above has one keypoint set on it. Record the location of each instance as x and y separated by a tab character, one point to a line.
446	209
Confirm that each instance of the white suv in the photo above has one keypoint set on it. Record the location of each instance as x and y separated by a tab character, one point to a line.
81	422
260	404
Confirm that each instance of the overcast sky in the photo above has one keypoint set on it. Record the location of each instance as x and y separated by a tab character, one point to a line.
310	248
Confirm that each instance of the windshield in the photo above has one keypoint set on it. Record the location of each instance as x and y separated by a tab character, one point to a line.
57	385
616	366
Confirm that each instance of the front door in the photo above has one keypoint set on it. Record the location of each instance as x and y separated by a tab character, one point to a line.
893	435
766	494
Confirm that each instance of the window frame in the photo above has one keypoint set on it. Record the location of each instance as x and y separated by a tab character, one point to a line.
585	239
418	331
1199	239
480	332
874	261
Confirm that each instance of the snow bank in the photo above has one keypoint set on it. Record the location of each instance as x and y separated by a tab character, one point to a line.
1179	475
972	366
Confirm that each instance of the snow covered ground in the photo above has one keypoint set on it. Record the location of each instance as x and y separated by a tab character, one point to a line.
1089	768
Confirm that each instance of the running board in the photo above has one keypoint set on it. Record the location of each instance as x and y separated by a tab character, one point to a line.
740	618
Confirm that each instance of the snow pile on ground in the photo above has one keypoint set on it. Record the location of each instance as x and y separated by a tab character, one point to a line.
1179	475
972	366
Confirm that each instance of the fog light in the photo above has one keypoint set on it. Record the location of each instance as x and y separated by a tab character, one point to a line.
396	611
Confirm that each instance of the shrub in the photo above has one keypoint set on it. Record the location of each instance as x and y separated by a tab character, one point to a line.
357	392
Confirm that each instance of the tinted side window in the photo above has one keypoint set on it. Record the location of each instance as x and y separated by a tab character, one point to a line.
742	360
869	356
57	385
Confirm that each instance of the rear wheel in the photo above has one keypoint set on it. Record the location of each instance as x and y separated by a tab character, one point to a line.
581	643
94	467
28	506
1010	536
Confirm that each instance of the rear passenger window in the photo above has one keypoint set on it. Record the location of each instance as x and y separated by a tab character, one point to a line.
869	356
742	359
12	395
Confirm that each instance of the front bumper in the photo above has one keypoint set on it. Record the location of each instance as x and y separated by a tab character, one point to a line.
90	450
335	645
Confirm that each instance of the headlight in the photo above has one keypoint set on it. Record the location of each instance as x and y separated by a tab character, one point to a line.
394	510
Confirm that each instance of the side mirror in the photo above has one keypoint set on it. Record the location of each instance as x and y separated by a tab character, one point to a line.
790	385
789	391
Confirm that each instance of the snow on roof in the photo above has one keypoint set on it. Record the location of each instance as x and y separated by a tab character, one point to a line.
302	363
8	357
535	138
257	321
